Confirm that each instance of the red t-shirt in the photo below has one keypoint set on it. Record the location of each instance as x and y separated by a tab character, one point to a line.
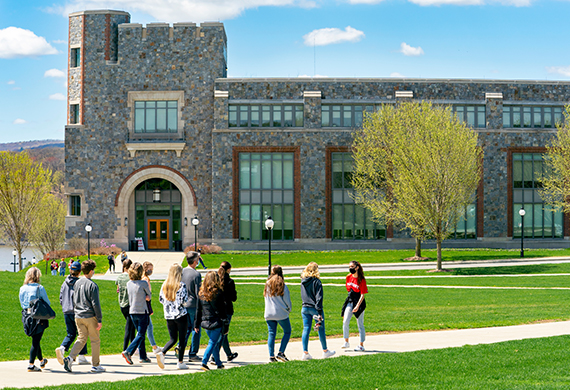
352	284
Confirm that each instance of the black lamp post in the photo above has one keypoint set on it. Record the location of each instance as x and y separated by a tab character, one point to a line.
522	213
269	226
195	222
88	229
15	253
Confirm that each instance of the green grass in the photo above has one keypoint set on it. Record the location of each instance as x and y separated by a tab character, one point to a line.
522	364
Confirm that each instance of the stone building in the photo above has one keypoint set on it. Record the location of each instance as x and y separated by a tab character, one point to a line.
157	134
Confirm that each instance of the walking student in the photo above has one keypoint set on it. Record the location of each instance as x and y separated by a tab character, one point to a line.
211	316
277	309
88	317
139	295
230	296
32	289
148	268
173	296
62	267
312	297
66	300
123	294
193	280
111	260
354	304
53	267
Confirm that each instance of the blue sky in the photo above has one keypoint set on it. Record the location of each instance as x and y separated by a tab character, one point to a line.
467	39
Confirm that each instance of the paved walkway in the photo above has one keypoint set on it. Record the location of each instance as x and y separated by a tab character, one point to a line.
14	373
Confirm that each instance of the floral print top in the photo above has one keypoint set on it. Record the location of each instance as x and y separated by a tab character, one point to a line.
175	309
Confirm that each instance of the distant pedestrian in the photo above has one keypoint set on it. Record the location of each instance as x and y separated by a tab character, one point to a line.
212	317
123	295
111	260
230	296
174	297
354	304
53	267
193	281
139	294
32	289
277	308
148	268
200	259
312	297
62	267
88	317
66	293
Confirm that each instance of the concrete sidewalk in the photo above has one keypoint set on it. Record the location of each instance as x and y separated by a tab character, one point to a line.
14	373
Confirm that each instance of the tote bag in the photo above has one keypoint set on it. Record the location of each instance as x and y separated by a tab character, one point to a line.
40	309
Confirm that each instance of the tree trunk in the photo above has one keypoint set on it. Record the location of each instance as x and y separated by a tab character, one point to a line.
418	247
439	255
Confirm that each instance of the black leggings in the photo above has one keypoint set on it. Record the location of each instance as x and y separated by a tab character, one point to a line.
130	330
36	350
177	330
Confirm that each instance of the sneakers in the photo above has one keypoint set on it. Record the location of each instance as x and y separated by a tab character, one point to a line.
205	367
281	357
194	358
59	352
127	357
98	369
43	363
158	350
346	345
67	362
81	359
306	356
328	353
182	366
221	367
360	348
145	360
34	369
232	356
160	360
272	359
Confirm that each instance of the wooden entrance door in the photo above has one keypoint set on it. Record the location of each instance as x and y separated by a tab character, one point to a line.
158	234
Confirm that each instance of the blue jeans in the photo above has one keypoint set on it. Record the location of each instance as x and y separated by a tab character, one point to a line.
150	332
62	272
272	328
213	348
225	342
195	342
71	329
308	313
54	272
141	323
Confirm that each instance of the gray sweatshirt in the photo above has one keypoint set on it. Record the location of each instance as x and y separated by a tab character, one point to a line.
277	308
193	280
86	299
138	290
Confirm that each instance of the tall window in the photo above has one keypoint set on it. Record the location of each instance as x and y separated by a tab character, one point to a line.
265	115
473	116
532	116
156	116
75	205
344	115
540	221
466	227
75	57
349	220
74	114
266	190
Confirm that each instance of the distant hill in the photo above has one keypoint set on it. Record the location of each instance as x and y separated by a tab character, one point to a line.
38	144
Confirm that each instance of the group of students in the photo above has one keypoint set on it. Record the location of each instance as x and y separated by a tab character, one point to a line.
189	305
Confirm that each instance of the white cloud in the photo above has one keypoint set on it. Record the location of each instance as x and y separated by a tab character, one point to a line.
182	10
54	73
561	70
408	50
57	96
396	74
11	82
17	42
329	36
19	121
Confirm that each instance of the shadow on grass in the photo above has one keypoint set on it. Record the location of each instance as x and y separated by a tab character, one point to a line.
523	269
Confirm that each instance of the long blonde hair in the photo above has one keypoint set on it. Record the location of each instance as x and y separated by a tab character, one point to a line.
33	275
312	270
210	287
172	283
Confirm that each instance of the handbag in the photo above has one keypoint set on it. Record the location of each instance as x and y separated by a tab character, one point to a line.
30	324
40	309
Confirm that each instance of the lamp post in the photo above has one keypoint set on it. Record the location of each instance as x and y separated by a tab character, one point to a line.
269	226
88	229
195	222
522	213
15	253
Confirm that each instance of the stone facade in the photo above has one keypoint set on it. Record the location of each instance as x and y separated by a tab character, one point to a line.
106	160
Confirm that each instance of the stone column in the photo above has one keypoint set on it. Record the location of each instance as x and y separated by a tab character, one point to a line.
312	104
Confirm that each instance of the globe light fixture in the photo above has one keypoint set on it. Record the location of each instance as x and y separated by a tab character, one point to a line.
88	229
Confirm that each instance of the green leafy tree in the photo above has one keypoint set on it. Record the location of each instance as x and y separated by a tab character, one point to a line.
24	185
48	232
418	166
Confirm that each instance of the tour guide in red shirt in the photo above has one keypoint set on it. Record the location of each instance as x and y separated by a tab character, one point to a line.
354	303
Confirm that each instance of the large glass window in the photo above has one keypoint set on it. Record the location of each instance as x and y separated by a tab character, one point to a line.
540	221
532	116
266	190
265	115
75	205
350	221
344	115
156	116
473	116
466	227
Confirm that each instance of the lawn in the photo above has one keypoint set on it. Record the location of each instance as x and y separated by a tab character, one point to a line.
521	364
